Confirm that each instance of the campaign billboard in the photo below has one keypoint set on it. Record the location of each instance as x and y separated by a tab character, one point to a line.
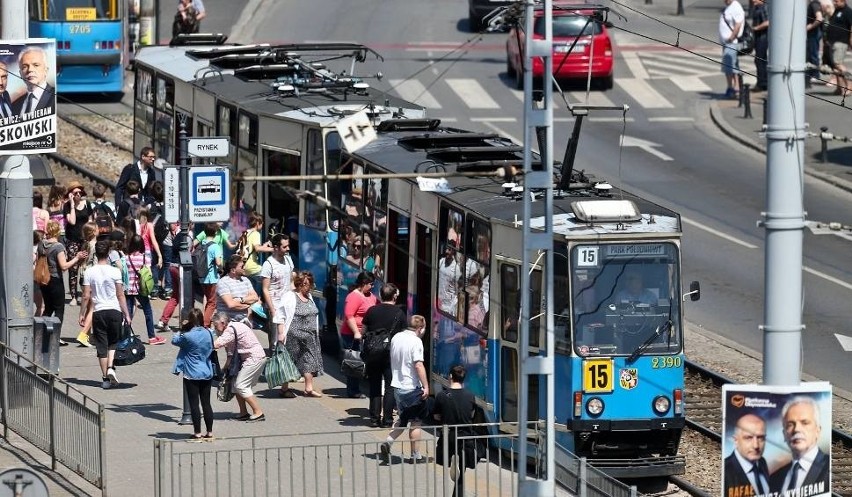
776	440
27	96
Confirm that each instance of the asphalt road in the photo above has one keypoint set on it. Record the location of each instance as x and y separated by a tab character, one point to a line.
717	186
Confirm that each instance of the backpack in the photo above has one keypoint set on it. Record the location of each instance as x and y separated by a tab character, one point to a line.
244	250
144	278
199	260
375	346
134	206
104	218
161	227
121	264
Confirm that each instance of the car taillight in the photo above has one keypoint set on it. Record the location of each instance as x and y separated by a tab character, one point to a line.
578	404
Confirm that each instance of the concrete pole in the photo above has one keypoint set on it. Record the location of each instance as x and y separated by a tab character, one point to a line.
186	276
784	218
16	279
538	120
15	20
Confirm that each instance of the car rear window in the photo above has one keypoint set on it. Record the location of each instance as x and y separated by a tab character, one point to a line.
568	26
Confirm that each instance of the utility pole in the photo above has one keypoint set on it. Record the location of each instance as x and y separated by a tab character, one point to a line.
16	279
538	121
784	219
186	276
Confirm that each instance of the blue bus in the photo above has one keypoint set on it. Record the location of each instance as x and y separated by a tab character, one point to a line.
90	42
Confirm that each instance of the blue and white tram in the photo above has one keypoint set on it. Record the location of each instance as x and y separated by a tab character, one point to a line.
455	256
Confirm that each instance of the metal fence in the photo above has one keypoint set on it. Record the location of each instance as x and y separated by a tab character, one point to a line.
350	464
53	416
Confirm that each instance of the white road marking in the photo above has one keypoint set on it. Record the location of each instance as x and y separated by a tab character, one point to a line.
414	91
634	63
690	83
590	98
642	92
671	119
494	119
472	93
828	277
717	233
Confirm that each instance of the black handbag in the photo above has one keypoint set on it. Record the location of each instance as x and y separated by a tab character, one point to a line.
352	365
130	349
218	374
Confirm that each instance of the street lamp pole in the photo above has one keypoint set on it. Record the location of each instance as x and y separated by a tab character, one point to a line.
186	295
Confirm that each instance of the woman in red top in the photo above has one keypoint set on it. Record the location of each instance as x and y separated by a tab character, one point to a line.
359	300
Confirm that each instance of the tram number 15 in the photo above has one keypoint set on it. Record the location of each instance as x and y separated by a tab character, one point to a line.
597	375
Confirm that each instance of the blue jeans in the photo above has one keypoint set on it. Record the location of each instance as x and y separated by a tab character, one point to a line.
353	385
812	53
145	302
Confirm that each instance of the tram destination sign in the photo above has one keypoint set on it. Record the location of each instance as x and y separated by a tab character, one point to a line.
216	146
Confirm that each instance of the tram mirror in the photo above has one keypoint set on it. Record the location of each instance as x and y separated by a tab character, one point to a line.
694	292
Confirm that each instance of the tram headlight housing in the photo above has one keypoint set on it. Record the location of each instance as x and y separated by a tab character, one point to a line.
595	406
662	404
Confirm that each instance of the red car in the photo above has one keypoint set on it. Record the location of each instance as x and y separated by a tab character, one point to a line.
569	20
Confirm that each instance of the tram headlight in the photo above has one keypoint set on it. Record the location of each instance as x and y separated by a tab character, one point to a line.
662	404
594	406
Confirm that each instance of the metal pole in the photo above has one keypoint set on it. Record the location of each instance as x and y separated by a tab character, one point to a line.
16	287
535	244
784	218
14	19
186	295
679	7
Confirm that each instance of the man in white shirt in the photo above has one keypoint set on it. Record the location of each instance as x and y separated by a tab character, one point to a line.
410	386
103	295
731	24
277	280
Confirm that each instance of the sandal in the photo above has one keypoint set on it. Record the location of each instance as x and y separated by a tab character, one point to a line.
288	394
312	393
208	437
196	438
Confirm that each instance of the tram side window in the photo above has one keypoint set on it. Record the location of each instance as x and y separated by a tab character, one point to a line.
165	95
354	242
375	216
315	214
451	276
247	131
226	125
282	200
510	302
561	298
143	113
477	251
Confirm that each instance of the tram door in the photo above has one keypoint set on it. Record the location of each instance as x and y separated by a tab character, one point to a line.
510	311
421	303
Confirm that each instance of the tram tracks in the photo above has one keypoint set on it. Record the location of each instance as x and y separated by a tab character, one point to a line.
704	417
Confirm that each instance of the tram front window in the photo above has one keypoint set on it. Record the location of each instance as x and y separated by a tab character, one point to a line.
625	298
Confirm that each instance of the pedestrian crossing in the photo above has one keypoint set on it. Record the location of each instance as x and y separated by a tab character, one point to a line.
647	79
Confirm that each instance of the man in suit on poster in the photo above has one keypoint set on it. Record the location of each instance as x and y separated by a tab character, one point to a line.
810	465
746	472
5	101
32	63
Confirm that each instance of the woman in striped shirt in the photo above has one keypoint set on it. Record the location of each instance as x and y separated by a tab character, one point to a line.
136	260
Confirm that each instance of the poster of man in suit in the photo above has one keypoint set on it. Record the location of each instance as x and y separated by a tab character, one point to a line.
28	96
776	440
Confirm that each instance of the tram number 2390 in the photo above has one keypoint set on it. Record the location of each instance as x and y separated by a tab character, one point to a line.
597	375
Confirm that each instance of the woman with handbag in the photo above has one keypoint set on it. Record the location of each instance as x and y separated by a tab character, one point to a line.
302	335
195	362
246	360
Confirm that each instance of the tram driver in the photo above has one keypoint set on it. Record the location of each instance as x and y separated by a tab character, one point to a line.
634	291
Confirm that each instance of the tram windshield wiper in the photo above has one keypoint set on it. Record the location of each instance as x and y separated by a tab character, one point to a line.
662	328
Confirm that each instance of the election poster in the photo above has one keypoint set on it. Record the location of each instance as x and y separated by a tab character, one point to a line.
776	440
27	96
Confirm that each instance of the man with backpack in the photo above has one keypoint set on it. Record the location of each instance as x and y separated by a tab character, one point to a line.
381	323
131	204
143	172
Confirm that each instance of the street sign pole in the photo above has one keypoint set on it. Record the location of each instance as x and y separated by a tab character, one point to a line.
186	295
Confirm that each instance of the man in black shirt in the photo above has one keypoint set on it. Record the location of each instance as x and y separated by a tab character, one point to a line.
839	37
384	318
455	406
760	26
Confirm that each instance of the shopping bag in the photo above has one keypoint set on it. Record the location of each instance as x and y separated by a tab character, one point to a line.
280	368
352	364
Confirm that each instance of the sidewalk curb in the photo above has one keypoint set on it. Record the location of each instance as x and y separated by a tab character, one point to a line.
728	130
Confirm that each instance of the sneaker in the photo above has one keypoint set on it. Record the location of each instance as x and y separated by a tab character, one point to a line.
385	450
167	294
418	458
156	341
454	467
113	378
106	385
83	339
160	326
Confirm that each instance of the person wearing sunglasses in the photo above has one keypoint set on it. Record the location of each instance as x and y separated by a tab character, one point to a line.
143	171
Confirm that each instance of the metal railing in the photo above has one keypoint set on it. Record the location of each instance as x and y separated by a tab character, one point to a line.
52	415
351	464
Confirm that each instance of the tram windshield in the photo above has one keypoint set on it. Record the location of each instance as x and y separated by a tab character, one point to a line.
74	10
625	299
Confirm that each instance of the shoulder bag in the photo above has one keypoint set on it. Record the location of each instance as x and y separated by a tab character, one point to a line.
352	364
218	374
226	388
41	270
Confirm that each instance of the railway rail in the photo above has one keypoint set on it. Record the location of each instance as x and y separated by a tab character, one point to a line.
704	415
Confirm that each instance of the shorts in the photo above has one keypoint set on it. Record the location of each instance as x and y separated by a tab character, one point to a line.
838	52
730	62
106	328
248	377
417	412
